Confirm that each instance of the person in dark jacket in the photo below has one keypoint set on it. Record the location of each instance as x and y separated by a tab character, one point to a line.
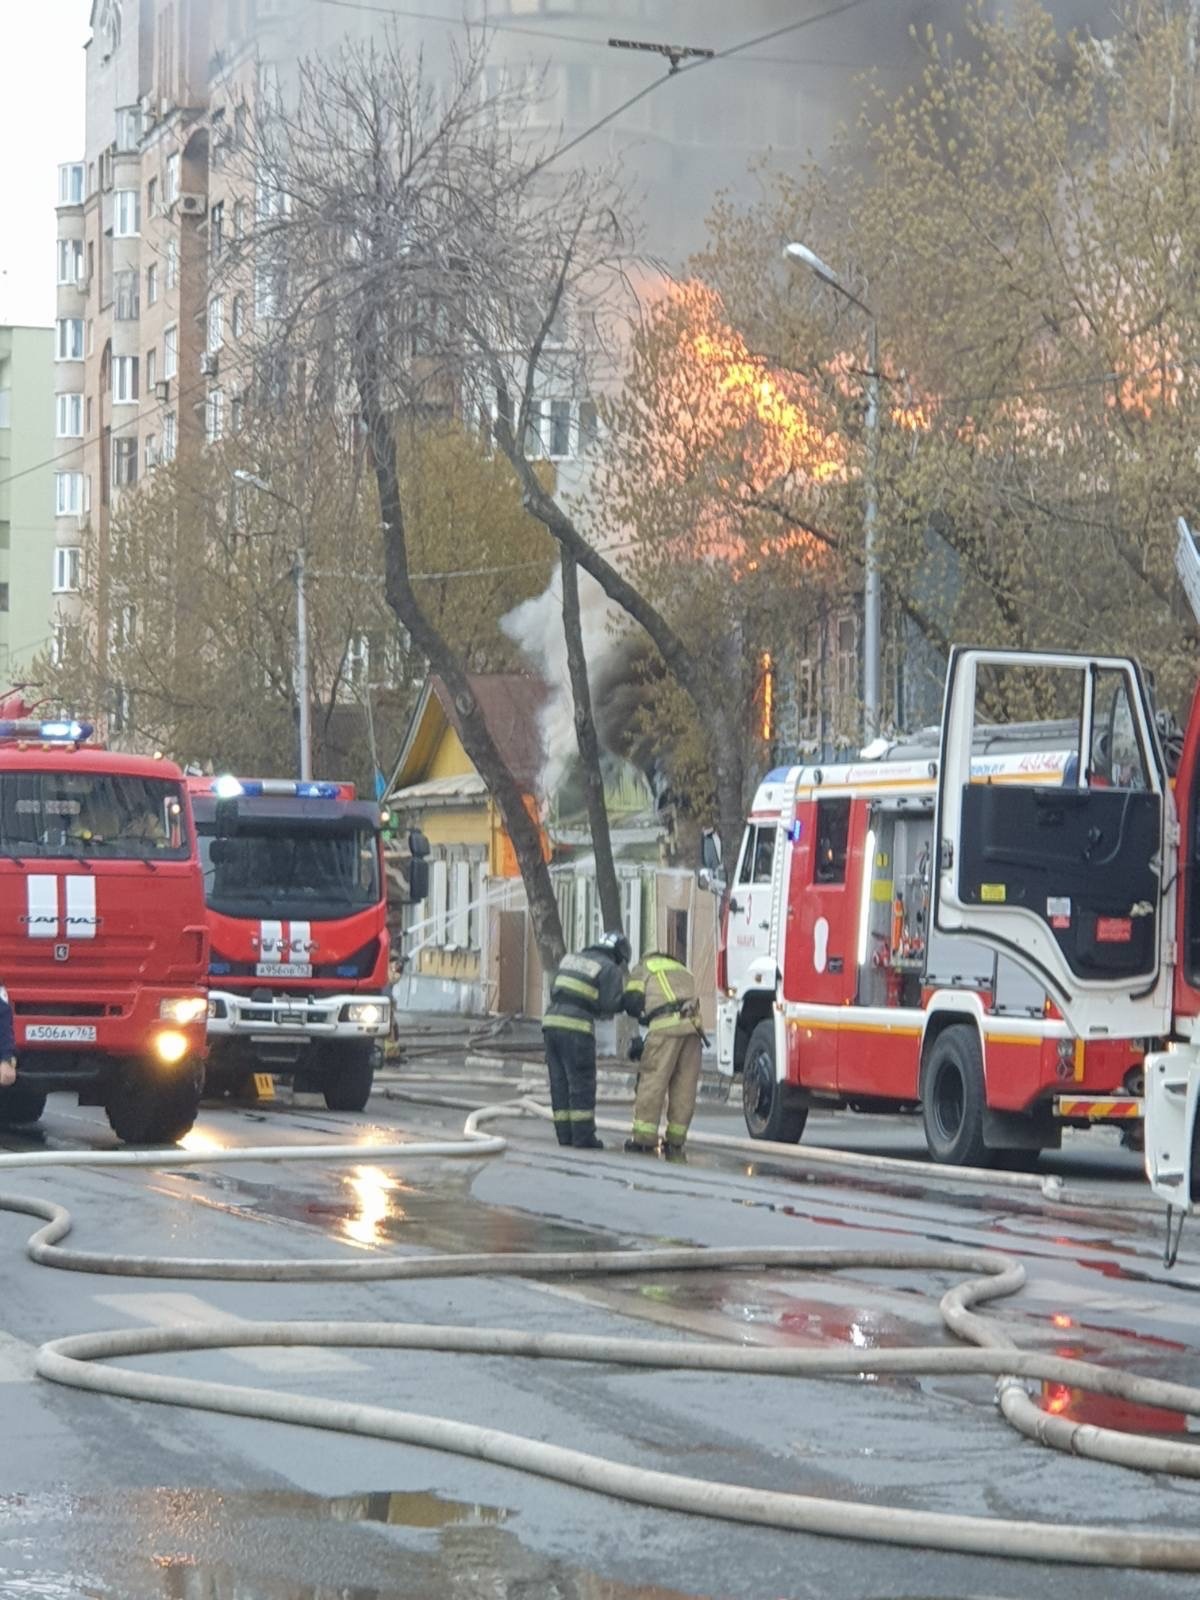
8	1042
588	984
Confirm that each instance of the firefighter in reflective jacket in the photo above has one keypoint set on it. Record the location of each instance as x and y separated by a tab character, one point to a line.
8	1042
587	985
661	994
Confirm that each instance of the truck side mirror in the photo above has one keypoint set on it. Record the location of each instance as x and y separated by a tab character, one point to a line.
710	852
1172	1132
418	867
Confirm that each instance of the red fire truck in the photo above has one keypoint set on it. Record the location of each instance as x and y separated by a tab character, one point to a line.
980	925
297	912
103	943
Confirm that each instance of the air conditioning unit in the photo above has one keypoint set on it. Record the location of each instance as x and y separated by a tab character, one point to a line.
162	389
193	205
209	364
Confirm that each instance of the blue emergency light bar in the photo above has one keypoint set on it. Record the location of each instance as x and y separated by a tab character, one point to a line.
230	788
58	731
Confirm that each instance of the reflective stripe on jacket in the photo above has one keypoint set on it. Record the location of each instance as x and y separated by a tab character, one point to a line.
661	993
587	985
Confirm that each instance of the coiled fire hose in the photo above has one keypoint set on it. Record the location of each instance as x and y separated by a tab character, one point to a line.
79	1361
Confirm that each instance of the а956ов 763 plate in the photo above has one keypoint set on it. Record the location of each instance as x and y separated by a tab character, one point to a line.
60	1033
283	969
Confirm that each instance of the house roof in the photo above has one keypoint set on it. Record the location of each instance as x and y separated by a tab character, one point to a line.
463	786
511	703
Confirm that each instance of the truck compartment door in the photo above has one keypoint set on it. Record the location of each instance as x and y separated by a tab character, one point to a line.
1056	835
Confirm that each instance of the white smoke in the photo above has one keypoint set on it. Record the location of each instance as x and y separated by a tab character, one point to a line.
536	628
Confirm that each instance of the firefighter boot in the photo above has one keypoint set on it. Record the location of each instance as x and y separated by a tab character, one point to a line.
674	1151
640	1147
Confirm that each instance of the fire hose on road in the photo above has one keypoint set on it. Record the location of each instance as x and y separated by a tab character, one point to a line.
80	1361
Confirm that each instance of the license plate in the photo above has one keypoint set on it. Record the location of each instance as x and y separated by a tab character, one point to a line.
282	969
59	1033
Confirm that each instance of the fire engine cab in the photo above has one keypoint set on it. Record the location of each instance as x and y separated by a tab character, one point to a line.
103	943
297	911
981	924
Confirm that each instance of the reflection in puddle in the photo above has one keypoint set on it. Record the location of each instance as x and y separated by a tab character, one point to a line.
372	1187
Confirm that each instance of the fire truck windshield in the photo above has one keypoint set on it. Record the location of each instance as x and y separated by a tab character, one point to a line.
91	815
290	870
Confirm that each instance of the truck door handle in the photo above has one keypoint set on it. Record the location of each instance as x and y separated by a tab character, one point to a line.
735	908
764	926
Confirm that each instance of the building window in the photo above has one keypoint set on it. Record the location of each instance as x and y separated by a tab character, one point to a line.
237	412
129	127
216	322
268	281
237	316
3	597
214	416
151	368
240	120
171	180
152	198
124	379
270	197
66	569
125	295
172	263
151	451
70	184
168	442
69	344
560	428
69	416
239	219
68	494
170	351
216	230
589	425
151	285
70	260
88	415
124	462
126	213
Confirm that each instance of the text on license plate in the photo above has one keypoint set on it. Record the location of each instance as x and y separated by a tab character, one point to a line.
59	1033
283	969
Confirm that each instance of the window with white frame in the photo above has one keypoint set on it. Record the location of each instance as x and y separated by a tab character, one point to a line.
151	451
268	289
214	415
70	260
68	409
239	219
124	462
358	660
435	933
68	494
70	184
237	316
152	198
170	351
270	196
168	437
237	414
216	230
126	299
459	920
172	263
69	339
589	425
216	322
127	213
558	434
151	285
171	180
129	127
124	380
151	368
67	560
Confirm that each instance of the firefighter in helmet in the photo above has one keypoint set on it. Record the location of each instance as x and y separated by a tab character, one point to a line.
8	1041
661	994
587	985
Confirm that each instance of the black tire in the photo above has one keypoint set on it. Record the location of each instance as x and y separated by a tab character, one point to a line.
769	1107
953	1100
153	1105
21	1104
349	1076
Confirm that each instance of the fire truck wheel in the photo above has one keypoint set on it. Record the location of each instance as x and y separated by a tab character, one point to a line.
21	1104
349	1076
952	1099
143	1107
769	1106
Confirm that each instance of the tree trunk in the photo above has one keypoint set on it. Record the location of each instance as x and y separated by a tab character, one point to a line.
589	751
477	740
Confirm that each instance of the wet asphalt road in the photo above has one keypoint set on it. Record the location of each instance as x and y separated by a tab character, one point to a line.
108	1498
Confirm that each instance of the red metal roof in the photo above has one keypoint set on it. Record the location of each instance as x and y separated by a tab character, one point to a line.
511	703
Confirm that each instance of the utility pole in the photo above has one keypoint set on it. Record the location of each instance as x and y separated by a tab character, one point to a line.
302	694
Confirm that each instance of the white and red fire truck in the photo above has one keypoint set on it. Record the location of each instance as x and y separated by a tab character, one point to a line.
297	912
983	925
103	942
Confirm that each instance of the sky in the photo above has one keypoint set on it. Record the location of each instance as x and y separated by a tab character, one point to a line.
41	124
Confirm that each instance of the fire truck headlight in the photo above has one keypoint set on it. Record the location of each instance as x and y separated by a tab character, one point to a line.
170	1046
188	1009
369	1012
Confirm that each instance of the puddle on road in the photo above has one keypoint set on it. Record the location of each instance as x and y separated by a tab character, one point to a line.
280	1544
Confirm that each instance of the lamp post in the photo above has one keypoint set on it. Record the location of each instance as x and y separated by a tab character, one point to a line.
299	579
871	590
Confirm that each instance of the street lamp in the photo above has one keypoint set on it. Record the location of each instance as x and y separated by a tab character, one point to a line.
871	594
298	577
